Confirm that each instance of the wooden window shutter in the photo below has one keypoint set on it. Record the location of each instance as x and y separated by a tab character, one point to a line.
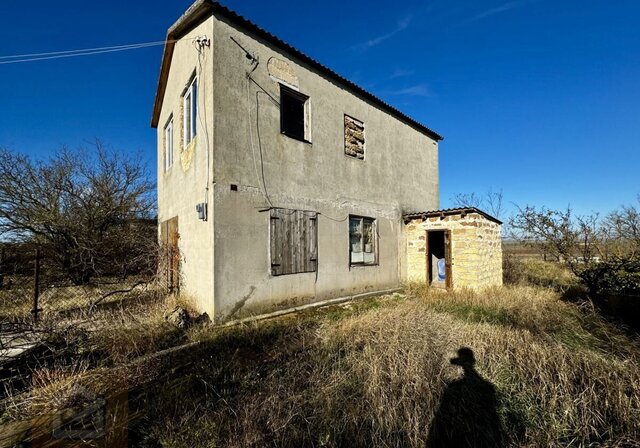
276	242
311	254
293	241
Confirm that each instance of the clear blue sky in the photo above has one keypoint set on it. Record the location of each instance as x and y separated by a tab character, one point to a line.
540	98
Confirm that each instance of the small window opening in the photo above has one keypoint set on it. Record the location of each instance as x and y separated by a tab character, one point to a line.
293	113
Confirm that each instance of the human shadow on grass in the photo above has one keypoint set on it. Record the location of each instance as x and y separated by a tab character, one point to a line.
467	415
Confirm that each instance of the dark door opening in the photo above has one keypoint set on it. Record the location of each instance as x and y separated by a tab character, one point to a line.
439	258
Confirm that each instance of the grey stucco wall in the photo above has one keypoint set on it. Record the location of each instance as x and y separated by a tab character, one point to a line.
184	185
399	174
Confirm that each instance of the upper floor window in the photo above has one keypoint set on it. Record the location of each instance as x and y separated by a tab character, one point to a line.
190	112
353	137
363	247
293	113
168	144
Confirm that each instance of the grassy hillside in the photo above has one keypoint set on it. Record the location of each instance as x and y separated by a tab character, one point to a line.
380	373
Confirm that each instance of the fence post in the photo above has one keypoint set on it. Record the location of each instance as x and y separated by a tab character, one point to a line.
36	285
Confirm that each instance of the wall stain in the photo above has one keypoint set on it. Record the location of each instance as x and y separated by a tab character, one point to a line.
238	306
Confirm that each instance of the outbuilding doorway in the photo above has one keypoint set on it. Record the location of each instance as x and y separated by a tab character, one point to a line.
467	239
439	258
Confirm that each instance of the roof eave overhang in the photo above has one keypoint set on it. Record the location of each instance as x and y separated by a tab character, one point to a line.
450	212
203	8
192	17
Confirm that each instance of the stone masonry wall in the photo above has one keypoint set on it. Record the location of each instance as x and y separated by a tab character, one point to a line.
353	137
476	249
416	238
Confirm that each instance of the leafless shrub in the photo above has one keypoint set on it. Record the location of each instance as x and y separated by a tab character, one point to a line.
603	253
491	201
90	213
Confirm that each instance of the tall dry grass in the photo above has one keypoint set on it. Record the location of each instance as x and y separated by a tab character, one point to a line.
96	350
379	374
371	373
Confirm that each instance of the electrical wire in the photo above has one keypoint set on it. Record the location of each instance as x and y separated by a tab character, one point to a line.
334	219
203	116
253	151
264	182
255	62
33	57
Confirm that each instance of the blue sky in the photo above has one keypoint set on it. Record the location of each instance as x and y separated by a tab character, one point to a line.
538	98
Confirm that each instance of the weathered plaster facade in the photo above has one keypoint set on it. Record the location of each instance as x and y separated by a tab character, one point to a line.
243	165
185	183
476	248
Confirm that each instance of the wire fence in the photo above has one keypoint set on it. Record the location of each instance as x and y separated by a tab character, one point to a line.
47	321
74	353
32	287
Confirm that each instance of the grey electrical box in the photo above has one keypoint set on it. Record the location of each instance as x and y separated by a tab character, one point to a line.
201	208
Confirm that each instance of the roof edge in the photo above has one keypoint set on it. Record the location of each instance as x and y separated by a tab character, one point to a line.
449	212
203	7
185	23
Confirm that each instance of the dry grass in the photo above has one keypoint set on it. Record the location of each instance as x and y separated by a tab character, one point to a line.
91	351
370	373
536	272
377	374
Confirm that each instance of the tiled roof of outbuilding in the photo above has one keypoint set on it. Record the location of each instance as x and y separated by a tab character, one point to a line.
449	212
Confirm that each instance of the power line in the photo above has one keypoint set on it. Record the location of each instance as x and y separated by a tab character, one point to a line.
28	55
32	57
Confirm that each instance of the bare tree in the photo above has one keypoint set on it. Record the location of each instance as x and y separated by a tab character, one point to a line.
491	201
622	228
92	213
594	249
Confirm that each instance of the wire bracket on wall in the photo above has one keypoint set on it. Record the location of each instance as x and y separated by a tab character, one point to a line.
253	58
201	42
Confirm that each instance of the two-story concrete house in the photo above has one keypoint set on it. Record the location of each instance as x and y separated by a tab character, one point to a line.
280	181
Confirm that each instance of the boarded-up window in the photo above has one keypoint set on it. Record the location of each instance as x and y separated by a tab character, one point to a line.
169	265
353	137
294	241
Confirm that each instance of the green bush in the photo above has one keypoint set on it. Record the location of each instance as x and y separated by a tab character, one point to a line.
616	278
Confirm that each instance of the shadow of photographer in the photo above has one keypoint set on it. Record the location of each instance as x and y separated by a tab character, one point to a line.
467	415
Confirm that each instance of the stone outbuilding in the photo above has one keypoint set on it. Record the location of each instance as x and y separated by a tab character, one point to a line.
454	248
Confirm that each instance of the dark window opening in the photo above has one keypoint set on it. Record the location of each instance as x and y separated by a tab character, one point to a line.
292	113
